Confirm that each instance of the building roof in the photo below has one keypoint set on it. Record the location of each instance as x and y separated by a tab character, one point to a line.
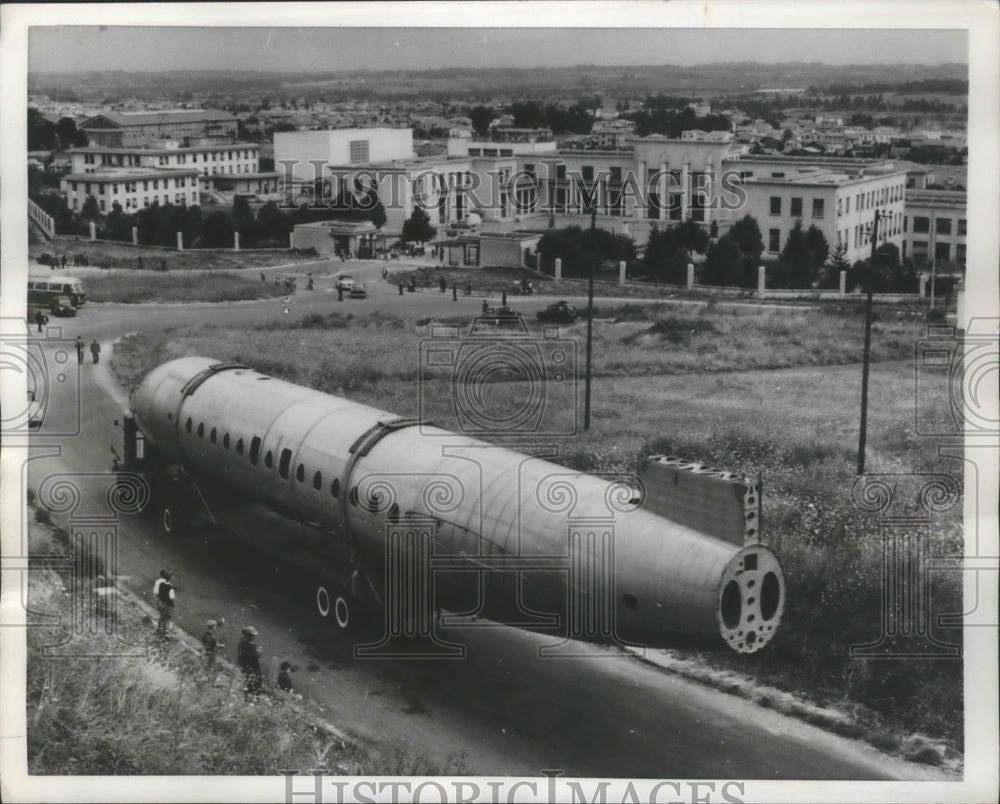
142	151
131	173
148	118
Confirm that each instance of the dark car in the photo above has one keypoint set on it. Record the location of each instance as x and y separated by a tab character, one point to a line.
502	316
357	290
559	313
62	306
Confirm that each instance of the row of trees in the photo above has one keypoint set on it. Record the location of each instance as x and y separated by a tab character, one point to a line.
44	135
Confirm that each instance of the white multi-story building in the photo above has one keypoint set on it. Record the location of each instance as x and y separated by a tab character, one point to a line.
132	187
221	166
935	228
838	196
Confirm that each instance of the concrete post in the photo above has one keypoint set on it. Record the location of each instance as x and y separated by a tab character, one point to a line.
93	231
662	191
135	235
558	268
685	190
690	275
236	241
180	241
923	285
291	239
621	272
843	284
760	281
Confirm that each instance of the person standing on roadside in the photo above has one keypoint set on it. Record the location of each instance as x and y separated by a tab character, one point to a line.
79	350
95	350
248	659
39	319
165	597
211	644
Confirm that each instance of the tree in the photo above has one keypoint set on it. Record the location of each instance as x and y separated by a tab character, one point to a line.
664	252
218	230
417	228
818	244
797	258
831	271
745	233
91	211
692	236
193	225
723	263
481	117
274	222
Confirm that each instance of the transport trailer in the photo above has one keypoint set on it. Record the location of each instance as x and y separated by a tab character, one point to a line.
435	519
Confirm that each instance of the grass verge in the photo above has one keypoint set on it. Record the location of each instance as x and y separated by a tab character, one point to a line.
160	713
104	254
130	288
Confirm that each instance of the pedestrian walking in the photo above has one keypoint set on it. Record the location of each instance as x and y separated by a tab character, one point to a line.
84	259
210	642
468	288
400	288
486	306
62	260
163	263
340	293
79	350
165	599
454	292
285	677
248	659
95	350
39	319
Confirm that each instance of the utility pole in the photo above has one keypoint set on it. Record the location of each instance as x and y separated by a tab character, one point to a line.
863	435
590	327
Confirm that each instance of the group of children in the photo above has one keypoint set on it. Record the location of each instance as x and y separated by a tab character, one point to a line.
248	653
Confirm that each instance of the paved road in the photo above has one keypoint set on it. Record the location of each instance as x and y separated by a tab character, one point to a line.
509	712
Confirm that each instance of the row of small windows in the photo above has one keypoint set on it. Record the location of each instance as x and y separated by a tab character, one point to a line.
373	504
284	462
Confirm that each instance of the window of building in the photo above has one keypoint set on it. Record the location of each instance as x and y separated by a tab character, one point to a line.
961	226
359	150
921	225
796	208
818	205
587	173
942	252
774	240
960	252
775	205
943	226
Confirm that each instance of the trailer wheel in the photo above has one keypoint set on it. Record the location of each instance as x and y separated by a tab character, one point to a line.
172	519
322	601
342	612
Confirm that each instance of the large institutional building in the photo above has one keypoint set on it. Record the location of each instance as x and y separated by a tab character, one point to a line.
177	156
528	183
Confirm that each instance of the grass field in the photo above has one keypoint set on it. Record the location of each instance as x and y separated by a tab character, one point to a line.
773	393
105	254
128	287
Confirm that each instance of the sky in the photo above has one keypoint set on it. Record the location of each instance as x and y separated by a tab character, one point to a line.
81	48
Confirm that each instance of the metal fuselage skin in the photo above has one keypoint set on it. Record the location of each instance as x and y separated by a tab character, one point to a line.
563	537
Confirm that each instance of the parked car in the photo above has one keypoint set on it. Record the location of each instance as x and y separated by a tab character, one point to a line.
502	316
357	290
62	306
559	313
344	282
